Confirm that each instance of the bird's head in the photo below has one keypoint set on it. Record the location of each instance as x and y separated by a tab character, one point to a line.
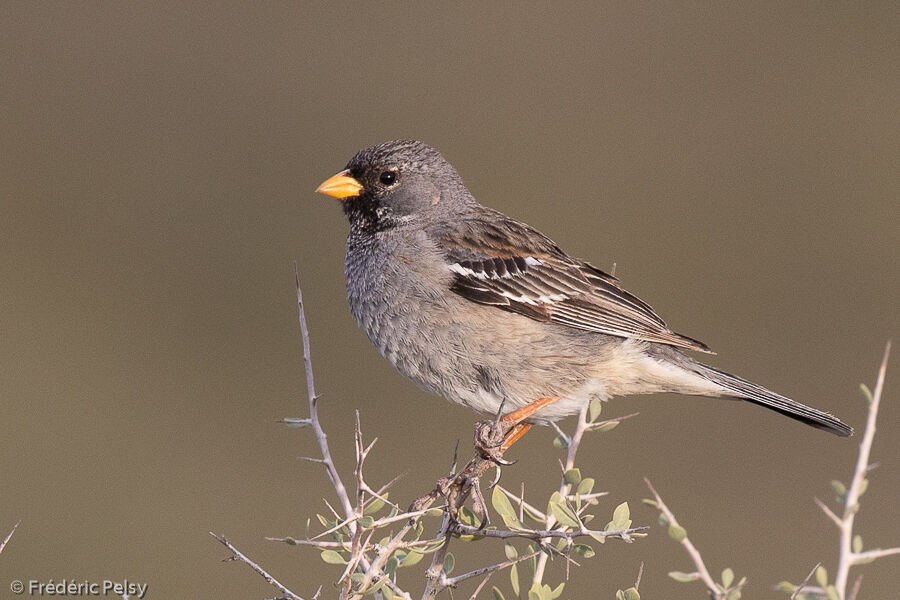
396	183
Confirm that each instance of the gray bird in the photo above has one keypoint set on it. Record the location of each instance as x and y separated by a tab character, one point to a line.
488	312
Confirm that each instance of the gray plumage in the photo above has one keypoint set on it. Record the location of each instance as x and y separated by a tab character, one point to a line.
479	308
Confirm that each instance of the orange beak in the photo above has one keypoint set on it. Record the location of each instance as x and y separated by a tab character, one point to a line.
340	186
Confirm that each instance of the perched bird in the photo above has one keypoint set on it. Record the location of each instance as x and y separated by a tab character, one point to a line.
488	312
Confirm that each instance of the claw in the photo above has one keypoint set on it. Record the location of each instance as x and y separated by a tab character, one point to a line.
496	479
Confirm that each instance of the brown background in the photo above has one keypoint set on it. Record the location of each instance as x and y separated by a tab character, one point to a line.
739	163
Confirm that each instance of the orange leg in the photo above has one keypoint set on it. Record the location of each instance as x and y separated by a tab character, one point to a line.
516	417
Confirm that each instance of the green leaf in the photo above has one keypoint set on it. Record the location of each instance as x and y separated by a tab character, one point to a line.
412	558
857	543
498	595
374	506
621	517
564	515
629	594
595	408
598	537
822	576
502	504
583	550
677	533
296	422
535	592
573	476
608	426
467	516
684	577
558	442
867	393
449	563
290	541
325	522
840	491
786	586
863	486
514	579
510	551
333	558
831	593
366	522
557	591
727	578
391	565
586	486
651	502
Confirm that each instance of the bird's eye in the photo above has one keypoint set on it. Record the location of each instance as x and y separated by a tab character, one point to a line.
388	177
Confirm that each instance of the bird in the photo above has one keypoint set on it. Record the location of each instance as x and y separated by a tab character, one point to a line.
490	313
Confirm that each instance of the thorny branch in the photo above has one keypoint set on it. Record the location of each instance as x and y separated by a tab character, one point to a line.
696	558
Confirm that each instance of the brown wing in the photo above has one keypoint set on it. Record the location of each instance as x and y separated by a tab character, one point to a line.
507	264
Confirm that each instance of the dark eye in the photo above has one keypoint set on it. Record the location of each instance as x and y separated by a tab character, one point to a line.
388	177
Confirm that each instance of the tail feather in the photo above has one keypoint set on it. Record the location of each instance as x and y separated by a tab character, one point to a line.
745	390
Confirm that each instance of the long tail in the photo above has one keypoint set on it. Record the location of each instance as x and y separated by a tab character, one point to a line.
745	390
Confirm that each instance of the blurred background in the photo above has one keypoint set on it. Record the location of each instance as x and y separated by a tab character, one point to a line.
738	163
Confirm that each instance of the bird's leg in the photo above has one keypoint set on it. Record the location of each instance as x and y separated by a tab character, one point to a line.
492	439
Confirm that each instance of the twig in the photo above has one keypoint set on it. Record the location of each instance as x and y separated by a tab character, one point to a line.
313	399
847	557
573	443
692	551
237	555
805	581
855	589
542	535
9	536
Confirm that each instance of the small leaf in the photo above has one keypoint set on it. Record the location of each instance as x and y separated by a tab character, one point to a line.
391	565
595	408
296	422
434	512
677	533
558	442
867	393
583	550
857	543
514	579
586	486
608	426
412	558
557	591
374	506
535	592
651	502
573	476
333	558
863	486
786	586
621	517
831	593
502	504
564	515
510	551
598	537
840	491
449	563
366	522
629	594
497	594
467	516
727	578
822	576
684	577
